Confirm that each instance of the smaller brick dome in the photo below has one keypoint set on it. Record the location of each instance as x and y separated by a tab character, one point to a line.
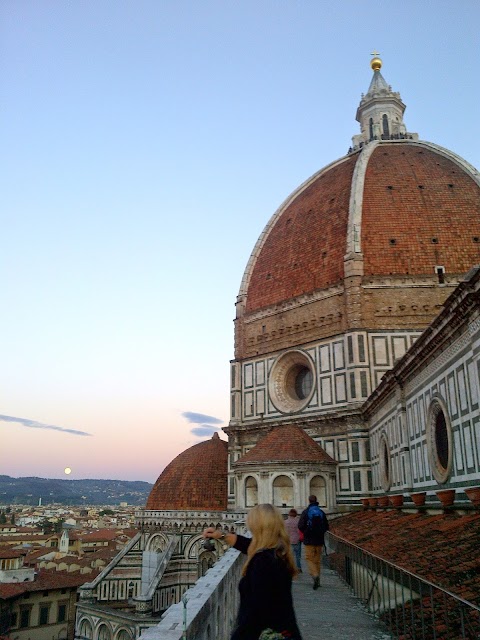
195	480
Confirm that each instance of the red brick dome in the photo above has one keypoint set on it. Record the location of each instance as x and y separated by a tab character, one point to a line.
196	479
403	206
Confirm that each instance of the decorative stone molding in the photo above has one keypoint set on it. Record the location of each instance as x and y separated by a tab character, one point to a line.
356	203
143	606
287	391
439	439
410	282
294	303
403	310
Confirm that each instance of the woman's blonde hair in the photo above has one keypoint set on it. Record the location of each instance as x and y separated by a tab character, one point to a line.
267	527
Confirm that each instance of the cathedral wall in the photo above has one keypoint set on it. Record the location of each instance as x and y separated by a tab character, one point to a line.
345	440
345	369
426	435
294	322
403	303
285	488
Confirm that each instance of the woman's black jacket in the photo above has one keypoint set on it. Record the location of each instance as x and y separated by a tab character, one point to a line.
265	596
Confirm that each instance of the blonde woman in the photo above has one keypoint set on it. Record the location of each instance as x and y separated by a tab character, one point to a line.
266	583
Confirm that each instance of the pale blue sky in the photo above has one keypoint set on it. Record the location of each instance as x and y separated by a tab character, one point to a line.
145	144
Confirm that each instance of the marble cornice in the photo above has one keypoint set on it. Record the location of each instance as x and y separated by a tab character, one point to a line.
306	422
293	303
293	465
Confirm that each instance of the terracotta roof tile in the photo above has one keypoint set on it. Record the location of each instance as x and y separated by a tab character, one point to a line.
12	538
316	220
33	555
44	580
412	194
8	552
102	535
102	554
286	443
419	209
196	479
440	548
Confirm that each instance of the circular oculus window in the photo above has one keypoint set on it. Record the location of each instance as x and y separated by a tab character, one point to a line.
439	440
291	383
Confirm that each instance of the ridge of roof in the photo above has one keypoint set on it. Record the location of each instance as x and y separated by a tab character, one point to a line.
45	580
285	443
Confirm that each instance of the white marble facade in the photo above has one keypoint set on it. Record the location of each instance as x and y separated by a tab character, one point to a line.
345	369
411	448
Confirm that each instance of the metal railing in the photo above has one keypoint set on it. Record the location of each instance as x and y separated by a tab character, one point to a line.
410	607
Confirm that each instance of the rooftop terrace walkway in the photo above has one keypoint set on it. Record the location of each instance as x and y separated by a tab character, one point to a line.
332	612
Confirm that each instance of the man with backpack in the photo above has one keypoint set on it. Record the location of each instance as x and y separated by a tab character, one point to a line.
313	524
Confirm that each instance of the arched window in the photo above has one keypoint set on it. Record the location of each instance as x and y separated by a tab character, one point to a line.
123	635
283	492
205	562
86	630
292	381
318	488
441	439
157	544
251	492
386	130
370	127
385	466
104	633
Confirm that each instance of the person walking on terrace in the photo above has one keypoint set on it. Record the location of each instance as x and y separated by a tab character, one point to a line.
266	604
291	525
313	524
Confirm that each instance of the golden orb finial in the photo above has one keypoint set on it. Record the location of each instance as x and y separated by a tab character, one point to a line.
376	63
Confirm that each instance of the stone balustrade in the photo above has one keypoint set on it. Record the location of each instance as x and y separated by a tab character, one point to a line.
211	605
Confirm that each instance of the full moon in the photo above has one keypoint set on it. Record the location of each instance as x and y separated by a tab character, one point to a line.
68	471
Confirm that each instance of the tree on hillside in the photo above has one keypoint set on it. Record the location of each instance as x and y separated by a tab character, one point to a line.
58	526
46	526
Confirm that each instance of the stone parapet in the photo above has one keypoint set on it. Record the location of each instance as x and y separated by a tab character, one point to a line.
208	609
177	521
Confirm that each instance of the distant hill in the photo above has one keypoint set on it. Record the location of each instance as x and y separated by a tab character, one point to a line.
72	492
